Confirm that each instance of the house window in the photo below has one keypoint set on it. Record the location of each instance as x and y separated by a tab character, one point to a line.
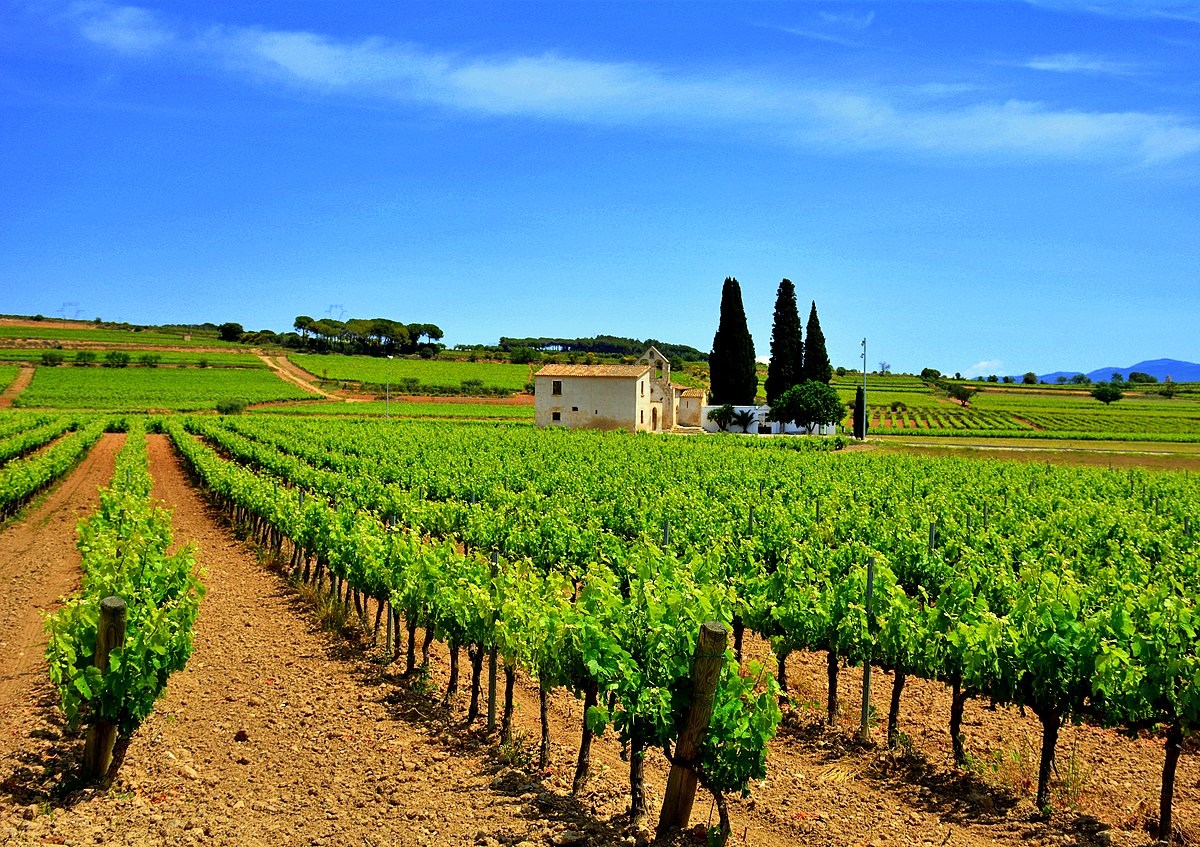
556	387
556	416
574	408
642	416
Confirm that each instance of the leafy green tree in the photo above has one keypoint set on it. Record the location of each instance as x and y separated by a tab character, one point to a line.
959	393
230	331
787	346
1080	379
731	363
816	358
1030	378
722	416
116	359
1138	376
930	374
809	403
1107	392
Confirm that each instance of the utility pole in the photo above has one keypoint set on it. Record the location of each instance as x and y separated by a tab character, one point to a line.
864	403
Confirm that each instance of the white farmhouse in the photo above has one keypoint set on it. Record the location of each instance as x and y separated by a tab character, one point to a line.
638	397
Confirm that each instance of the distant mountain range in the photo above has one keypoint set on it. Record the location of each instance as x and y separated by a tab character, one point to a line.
1161	368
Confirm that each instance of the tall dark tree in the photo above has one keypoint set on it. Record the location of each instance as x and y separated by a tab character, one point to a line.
816	359
787	347
731	363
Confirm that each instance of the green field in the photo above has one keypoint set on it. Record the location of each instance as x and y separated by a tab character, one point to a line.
449	411
7	374
428	373
33	355
1032	412
181	389
111	336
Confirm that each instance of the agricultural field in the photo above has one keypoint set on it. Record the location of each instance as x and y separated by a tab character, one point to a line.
406	409
162	357
1034	412
132	388
459	538
108	336
413	376
7	374
783	549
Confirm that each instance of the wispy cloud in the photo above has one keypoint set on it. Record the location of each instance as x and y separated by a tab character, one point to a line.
1187	11
985	368
555	87
842	28
849	19
1074	63
127	29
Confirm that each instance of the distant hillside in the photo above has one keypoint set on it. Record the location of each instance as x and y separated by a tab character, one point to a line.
1159	368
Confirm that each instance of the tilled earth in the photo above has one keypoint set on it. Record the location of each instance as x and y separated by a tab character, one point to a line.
280	732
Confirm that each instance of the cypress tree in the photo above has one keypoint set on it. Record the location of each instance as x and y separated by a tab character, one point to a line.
816	360
731	363
787	348
860	414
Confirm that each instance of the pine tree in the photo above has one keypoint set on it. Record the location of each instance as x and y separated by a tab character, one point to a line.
731	363
816	360
787	347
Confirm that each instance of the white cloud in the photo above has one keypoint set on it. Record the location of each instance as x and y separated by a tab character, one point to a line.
849	20
985	368
1073	63
622	93
126	29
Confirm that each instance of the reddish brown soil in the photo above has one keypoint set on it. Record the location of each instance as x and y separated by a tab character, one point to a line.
281	733
38	564
515	400
24	377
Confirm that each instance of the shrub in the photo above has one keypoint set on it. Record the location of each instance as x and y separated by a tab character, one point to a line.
202	362
150	360
116	359
231	407
52	358
524	356
84	357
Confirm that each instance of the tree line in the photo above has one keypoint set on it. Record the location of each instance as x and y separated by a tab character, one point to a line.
598	344
356	336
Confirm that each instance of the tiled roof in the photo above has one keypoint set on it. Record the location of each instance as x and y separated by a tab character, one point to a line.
626	371
694	392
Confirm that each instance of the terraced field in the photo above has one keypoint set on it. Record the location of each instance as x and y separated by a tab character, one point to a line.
182	389
413	375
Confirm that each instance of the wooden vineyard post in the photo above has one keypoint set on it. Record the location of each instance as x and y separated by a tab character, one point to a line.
102	735
864	733
706	670
491	716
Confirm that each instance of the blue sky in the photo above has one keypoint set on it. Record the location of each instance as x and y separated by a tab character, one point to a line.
985	187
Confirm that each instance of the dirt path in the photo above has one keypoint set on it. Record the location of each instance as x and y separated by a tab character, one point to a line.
279	733
285	370
24	377
38	564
